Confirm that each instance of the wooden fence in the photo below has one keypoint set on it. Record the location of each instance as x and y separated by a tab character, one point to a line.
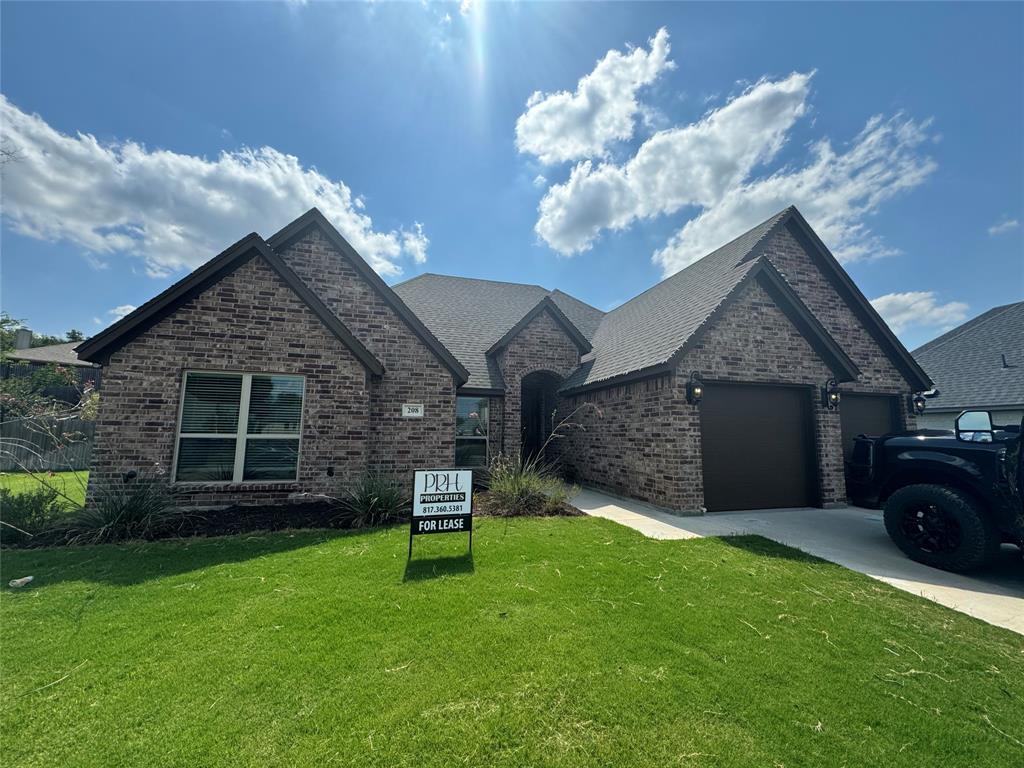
52	444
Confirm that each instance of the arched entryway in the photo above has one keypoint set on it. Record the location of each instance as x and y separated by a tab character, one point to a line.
538	398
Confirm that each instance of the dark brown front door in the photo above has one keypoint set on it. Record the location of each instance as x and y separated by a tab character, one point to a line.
756	443
866	415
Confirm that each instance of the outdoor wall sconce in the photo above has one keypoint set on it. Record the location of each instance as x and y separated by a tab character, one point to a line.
695	389
916	403
830	395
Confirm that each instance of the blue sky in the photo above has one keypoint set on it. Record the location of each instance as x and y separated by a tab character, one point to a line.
150	136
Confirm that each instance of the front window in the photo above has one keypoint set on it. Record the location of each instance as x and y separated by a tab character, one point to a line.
239	427
471	431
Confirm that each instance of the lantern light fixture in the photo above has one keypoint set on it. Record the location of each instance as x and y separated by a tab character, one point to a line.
830	395
695	389
917	403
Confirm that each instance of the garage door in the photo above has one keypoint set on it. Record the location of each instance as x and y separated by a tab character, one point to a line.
756	443
866	415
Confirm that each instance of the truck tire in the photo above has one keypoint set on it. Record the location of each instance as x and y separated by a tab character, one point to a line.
941	527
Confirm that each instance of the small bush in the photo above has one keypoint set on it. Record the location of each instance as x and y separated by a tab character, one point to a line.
135	508
376	499
27	515
527	487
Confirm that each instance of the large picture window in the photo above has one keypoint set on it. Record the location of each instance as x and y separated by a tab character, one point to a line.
471	431
239	427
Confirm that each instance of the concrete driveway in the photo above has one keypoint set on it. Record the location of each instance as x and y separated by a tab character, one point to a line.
850	536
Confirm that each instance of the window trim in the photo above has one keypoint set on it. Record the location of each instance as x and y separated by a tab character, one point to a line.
485	438
241	435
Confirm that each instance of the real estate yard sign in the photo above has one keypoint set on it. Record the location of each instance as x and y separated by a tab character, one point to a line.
442	502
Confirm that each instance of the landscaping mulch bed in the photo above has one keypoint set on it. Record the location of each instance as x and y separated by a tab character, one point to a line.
486	505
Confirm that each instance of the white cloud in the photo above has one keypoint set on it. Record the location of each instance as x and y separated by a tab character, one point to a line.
836	192
118	312
715	165
692	165
174	211
415	243
567	126
919	309
540	181
466	7
1004	226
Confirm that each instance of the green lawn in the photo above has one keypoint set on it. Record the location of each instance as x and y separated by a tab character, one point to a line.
563	642
70	483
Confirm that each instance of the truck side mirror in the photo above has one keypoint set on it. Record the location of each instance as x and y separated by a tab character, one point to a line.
974	426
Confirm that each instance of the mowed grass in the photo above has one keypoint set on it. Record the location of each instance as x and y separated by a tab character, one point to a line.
562	642
72	484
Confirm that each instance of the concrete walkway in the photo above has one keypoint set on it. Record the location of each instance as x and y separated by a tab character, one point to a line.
850	536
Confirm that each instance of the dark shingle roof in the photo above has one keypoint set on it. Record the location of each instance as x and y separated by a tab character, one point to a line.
966	363
468	316
58	354
646	331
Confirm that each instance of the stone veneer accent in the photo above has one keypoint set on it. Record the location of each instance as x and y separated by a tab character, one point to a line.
643	439
543	345
412	372
250	321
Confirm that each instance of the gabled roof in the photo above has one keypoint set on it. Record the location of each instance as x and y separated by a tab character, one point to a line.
471	315
544	305
99	348
646	335
313	218
967	363
642	335
57	354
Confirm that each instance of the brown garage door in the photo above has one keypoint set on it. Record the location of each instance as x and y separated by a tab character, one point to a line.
756	443
866	415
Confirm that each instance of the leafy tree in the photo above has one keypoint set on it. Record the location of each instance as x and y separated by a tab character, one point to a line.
9	327
75	335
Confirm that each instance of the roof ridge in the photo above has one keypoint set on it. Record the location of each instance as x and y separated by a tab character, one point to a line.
475	280
966	327
576	299
723	246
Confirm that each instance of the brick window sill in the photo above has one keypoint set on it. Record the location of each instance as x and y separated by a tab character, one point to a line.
289	487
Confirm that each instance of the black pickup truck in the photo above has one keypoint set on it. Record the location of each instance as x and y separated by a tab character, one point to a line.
950	498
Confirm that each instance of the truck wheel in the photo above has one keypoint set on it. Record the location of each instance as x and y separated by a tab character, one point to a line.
941	527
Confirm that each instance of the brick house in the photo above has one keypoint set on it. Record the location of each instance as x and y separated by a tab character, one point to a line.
286	366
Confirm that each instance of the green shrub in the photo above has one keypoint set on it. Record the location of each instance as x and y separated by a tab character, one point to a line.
27	515
134	508
376	499
526	487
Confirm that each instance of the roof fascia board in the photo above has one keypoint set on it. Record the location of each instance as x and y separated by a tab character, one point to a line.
650	372
99	348
848	290
806	323
545	304
479	392
314	217
328	318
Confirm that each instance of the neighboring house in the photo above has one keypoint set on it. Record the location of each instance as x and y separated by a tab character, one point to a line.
286	366
977	366
52	354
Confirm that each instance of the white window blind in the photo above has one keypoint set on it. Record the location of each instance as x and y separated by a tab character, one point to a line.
237	427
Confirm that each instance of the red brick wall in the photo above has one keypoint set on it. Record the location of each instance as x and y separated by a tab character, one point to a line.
250	321
412	372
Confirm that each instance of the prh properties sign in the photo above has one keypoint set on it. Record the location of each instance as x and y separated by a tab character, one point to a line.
442	502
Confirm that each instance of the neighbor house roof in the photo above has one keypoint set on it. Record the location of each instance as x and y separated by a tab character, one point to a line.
58	354
979	364
471	317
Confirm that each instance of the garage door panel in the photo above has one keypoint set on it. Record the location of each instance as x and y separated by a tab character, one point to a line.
756	447
866	415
